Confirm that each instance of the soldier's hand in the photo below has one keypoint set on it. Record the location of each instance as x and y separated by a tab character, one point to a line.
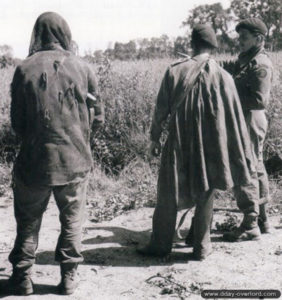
155	149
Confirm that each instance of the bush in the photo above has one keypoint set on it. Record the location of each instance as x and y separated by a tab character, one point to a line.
128	91
6	61
8	143
273	143
107	199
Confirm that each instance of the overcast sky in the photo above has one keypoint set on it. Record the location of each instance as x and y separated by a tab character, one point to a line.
96	23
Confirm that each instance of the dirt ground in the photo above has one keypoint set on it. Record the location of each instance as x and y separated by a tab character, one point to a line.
113	270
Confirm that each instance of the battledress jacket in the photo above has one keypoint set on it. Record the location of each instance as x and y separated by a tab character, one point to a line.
208	145
252	73
49	112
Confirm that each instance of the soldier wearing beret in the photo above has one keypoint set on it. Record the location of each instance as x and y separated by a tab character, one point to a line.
50	112
207	147
252	73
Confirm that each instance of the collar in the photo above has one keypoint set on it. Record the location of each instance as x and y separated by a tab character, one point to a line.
201	57
245	57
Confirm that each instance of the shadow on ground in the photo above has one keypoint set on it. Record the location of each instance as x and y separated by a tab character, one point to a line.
39	289
116	246
120	235
128	257
46	258
124	254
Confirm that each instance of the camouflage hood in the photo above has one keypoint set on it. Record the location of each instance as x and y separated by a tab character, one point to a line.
50	32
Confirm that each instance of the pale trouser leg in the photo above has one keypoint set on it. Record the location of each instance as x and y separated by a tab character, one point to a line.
164	221
247	197
257	125
202	223
165	214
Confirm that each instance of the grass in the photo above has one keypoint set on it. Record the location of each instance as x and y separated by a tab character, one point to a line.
123	177
6	76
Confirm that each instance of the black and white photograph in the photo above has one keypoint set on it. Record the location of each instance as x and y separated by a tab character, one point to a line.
140	149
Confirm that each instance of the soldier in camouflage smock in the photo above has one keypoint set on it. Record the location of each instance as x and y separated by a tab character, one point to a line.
252	73
50	113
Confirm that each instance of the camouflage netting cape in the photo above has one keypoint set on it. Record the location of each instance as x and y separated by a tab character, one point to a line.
208	144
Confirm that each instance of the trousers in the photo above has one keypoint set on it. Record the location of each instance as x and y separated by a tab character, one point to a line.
30	202
164	221
250	196
257	126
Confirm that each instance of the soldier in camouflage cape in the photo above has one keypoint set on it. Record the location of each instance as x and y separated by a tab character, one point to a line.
207	147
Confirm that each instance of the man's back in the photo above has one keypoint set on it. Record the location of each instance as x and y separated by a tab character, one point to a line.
49	111
207	131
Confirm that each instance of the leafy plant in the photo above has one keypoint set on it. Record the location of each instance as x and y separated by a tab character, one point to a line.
230	223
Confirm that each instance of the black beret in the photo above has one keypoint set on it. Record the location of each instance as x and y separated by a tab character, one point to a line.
203	32
252	24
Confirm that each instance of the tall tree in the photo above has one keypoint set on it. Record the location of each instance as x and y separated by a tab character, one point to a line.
270	11
219	18
6	50
181	45
125	51
6	56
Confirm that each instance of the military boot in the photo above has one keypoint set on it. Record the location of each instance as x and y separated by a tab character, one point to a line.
20	283
69	280
247	231
263	223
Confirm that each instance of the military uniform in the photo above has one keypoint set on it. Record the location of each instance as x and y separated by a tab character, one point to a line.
253	76
252	73
49	112
253	83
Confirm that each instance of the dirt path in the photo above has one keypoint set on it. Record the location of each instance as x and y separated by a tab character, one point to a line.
113	270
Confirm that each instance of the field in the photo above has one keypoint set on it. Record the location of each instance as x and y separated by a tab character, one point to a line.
120	148
120	201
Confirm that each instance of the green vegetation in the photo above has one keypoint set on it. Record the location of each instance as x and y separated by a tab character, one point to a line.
124	177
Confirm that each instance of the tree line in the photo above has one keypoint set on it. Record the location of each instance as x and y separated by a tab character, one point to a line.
222	20
156	47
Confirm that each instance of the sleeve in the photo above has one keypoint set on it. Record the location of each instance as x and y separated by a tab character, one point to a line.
18	105
94	99
259	86
162	108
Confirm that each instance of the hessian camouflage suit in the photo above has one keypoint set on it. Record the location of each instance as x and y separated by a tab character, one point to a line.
49	112
207	147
